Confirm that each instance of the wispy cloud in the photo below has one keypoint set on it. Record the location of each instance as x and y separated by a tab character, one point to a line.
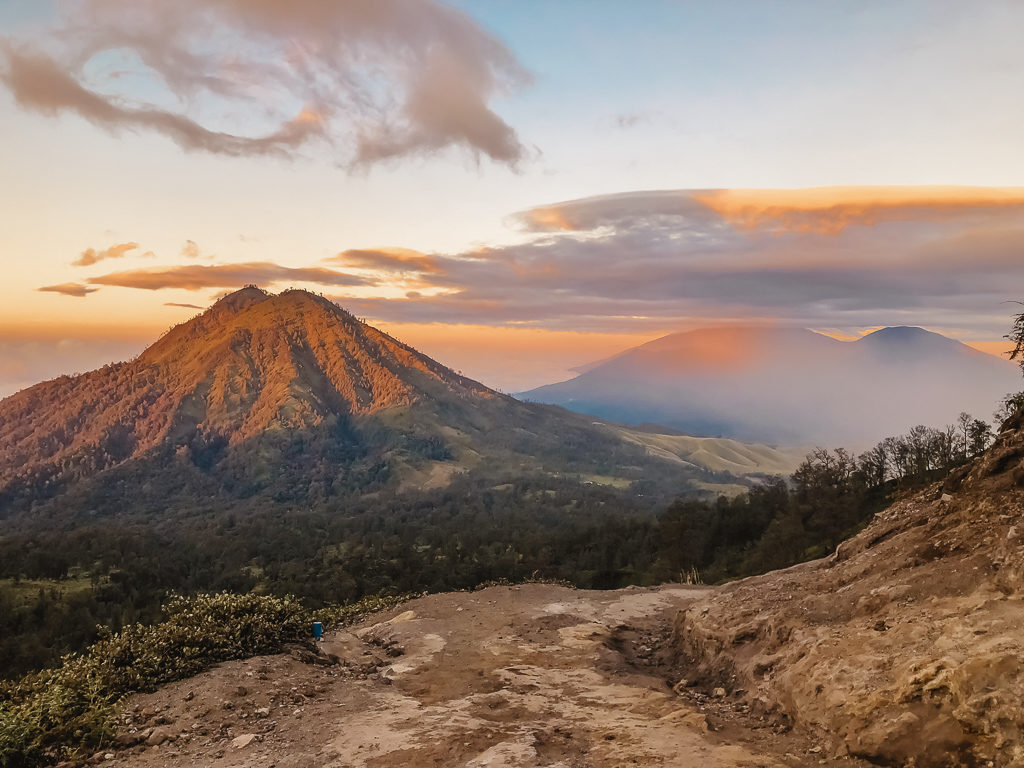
77	290
389	260
90	256
180	304
372	81
193	277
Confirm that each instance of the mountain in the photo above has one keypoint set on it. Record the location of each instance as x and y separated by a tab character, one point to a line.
789	385
904	646
290	396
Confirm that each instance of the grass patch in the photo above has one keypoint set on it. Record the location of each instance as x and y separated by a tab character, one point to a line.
25	591
622	483
71	710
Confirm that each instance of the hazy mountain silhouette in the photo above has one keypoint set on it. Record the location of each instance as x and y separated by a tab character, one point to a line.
292	396
786	385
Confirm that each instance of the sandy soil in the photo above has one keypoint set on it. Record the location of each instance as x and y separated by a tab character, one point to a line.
536	675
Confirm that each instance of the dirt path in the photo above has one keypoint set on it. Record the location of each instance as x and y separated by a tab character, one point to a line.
526	676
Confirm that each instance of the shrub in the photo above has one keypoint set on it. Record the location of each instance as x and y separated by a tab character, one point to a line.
72	709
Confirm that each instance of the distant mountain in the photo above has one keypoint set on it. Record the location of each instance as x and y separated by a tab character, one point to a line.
787	385
290	397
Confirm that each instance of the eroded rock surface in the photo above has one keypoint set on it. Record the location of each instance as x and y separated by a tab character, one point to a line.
906	647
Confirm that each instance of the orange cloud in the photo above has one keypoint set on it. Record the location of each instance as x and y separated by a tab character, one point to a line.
551	219
90	256
194	277
388	260
77	290
830	210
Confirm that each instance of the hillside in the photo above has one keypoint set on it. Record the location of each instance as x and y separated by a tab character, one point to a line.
290	396
788	385
905	646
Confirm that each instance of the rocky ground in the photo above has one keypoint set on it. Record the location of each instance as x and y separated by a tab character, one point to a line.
536	675
907	646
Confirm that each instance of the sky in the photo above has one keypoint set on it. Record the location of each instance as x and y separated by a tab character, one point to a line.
515	188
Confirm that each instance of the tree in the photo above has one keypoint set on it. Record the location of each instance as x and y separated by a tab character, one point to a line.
1016	337
1008	407
963	425
874	465
979	437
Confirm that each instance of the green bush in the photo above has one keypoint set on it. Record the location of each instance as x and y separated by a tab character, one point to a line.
72	709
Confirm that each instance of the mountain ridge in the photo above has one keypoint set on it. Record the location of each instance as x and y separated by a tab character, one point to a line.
782	385
251	363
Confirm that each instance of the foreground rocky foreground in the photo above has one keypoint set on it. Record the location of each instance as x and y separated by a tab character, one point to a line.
536	675
906	647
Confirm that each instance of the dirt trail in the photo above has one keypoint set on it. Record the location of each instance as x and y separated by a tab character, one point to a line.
526	676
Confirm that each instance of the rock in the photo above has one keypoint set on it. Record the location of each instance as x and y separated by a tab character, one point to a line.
189	696
696	720
158	737
399	619
126	740
311	654
718	693
240	742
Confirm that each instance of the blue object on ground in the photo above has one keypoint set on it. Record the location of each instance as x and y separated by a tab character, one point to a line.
318	630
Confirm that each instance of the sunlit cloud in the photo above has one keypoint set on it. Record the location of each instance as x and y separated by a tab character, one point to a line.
648	261
182	304
368	81
403	260
939	257
193	277
90	256
77	290
830	210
